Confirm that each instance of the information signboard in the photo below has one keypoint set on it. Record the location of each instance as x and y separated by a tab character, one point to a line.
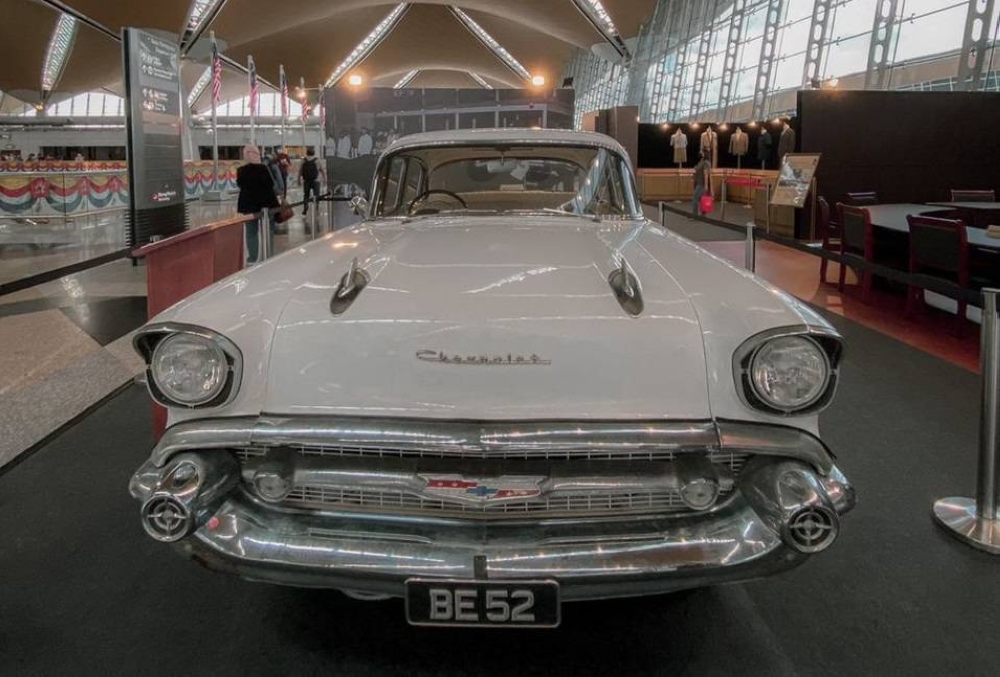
795	178
153	120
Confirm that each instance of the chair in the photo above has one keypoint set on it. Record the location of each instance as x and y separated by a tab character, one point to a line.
857	242
939	251
973	195
829	232
861	199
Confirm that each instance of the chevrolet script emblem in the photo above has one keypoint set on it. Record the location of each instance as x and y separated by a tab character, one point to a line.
505	360
482	490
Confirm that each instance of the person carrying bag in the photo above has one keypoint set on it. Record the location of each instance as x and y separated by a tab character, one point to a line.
256	194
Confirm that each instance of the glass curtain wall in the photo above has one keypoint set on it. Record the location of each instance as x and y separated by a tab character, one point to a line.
702	59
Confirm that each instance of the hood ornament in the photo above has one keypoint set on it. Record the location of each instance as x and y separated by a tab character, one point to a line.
351	284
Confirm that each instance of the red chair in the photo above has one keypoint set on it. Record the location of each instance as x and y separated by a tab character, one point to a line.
939	252
973	195
868	197
829	232
857	244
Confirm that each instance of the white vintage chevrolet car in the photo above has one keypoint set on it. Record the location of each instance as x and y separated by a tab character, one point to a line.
504	389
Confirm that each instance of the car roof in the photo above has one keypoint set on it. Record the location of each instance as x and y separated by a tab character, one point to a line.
472	137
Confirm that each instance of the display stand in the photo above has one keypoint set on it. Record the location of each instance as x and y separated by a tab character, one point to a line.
976	522
178	266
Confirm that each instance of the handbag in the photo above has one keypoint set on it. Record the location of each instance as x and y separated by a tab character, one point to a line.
283	213
707	204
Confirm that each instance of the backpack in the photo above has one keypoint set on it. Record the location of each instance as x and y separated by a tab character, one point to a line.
310	172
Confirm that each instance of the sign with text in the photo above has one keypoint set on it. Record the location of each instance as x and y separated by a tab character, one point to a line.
794	179
153	121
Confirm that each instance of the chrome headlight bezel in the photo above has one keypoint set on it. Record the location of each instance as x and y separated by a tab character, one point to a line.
830	345
148	338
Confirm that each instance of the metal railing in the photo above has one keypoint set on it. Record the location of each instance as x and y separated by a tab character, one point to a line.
266	224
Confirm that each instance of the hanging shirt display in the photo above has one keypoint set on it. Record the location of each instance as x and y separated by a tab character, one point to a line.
764	144
739	143
786	143
710	142
679	142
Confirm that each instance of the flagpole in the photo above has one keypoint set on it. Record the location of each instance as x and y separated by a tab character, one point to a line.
283	84
215	120
305	106
253	105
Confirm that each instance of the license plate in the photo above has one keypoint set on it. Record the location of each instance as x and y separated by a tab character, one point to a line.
521	604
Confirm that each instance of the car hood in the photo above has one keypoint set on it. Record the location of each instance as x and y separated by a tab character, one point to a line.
488	318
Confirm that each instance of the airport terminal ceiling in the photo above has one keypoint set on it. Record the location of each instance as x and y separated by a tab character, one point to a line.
683	60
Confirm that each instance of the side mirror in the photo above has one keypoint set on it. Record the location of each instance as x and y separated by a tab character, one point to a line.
360	206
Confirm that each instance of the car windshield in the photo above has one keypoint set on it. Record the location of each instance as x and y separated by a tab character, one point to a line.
572	180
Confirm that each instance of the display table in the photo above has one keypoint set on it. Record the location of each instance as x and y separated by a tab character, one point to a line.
893	217
678	184
178	266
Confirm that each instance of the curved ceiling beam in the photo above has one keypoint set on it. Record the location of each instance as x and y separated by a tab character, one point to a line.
488	41
244	21
370	42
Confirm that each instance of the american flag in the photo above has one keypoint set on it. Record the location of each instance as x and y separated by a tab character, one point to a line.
284	92
216	73
254	87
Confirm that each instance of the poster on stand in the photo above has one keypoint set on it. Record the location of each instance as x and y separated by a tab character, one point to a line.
794	179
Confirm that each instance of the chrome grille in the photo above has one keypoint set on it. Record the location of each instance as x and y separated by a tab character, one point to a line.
734	461
333	498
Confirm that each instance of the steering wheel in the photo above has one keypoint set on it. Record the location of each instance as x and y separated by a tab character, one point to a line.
436	191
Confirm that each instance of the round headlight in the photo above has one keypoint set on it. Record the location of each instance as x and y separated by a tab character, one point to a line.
790	373
189	369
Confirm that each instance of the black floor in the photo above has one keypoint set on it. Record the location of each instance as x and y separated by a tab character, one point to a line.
83	591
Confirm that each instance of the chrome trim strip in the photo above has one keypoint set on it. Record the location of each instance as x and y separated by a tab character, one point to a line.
600	559
483	438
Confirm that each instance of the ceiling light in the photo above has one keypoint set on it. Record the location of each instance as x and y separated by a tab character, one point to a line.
355	80
406	79
494	46
199	86
480	81
371	41
538	80
601	20
58	51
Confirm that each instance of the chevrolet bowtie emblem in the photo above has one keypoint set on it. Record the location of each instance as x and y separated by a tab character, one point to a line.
482	489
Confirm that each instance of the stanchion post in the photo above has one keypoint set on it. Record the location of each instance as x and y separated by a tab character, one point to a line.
314	220
661	205
976	522
724	182
751	249
264	251
767	205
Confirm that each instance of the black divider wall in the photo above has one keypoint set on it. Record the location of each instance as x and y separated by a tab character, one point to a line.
906	146
655	151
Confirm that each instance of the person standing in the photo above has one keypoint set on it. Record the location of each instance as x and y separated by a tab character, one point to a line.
284	164
309	178
702	181
256	194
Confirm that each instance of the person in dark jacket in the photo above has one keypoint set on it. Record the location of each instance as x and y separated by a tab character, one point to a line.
309	178
256	194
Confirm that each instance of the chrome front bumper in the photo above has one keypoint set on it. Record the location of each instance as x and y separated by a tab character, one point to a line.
748	537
